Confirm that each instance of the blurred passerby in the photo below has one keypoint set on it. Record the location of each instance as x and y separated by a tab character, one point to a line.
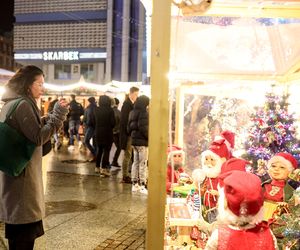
125	139
138	123
116	132
76	111
105	122
89	123
56	133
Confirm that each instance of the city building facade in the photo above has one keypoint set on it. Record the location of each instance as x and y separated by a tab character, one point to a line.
6	52
97	39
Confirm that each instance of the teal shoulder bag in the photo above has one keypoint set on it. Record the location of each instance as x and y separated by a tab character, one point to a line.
15	149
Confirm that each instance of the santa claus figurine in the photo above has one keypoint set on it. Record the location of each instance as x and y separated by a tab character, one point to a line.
211	161
228	166
240	209
175	170
277	189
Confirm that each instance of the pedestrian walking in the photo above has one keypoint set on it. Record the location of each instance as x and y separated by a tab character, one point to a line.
89	123
116	132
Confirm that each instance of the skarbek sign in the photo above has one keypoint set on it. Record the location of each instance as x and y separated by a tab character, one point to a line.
64	55
61	55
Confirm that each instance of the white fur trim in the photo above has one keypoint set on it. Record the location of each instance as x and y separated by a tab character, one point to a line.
281	159
227	143
228	217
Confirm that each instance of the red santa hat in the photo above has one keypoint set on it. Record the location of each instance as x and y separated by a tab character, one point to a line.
243	193
286	159
173	150
217	149
234	164
229	138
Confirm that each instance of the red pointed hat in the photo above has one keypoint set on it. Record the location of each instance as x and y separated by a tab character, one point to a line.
285	158
243	192
234	164
174	149
229	137
219	148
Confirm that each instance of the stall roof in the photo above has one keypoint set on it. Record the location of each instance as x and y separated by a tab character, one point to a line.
253	8
235	48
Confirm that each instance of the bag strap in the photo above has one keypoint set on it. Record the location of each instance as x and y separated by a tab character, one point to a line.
14	106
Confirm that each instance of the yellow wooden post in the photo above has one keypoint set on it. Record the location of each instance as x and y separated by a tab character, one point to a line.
158	126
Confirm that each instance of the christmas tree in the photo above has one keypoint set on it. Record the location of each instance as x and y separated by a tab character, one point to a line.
272	131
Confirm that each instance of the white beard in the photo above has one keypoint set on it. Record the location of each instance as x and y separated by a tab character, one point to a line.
212	171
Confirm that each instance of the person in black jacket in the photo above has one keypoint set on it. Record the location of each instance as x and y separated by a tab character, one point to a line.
138	129
125	139
89	123
76	110
105	122
115	103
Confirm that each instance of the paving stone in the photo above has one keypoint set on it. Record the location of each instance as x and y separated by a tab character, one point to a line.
132	236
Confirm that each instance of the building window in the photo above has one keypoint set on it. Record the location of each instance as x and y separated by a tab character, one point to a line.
62	72
88	72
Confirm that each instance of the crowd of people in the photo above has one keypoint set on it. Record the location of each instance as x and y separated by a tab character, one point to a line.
104	124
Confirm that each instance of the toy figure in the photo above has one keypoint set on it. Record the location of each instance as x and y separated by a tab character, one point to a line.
279	167
211	161
240	209
175	170
278	189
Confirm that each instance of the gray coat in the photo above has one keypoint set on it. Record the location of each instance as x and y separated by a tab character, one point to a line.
22	197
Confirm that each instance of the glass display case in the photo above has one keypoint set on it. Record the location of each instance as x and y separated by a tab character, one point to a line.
216	66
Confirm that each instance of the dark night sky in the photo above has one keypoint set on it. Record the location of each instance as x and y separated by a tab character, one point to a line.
6	15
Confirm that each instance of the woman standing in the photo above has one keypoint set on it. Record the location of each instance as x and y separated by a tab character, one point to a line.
22	197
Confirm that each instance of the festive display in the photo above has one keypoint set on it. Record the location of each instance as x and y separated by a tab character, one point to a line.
272	131
286	224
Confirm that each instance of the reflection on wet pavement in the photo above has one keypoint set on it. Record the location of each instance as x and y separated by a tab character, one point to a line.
83	209
68	206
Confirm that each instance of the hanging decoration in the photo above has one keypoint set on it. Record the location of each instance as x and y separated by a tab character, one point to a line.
189	7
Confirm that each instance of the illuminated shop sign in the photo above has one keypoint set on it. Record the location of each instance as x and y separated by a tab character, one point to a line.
60	56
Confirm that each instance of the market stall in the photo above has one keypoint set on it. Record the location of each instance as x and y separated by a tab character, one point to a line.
226	61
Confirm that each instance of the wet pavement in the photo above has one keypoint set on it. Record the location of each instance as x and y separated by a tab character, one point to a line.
85	211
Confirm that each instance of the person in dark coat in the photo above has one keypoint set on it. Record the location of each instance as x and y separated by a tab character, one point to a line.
116	132
76	111
138	123
125	139
105	122
89	123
